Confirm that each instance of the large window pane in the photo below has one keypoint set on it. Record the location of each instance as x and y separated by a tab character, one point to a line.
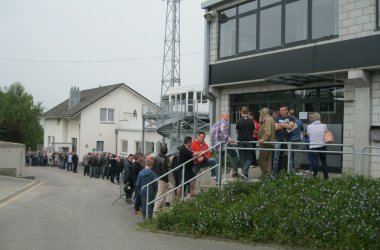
110	115
296	21
270	27
247	7
103	115
247	33
227	38
324	18
267	2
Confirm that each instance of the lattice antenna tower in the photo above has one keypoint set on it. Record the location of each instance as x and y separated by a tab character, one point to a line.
171	76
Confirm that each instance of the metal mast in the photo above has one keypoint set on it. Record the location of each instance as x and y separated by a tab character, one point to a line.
171	59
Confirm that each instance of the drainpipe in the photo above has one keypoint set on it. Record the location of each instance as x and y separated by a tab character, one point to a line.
206	72
117	138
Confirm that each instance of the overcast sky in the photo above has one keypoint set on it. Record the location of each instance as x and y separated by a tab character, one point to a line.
33	32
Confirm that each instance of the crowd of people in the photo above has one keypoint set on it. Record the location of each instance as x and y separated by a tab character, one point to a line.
139	170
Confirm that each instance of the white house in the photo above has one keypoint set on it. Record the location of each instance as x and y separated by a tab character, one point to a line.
105	119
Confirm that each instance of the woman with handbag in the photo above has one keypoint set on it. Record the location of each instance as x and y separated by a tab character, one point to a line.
316	132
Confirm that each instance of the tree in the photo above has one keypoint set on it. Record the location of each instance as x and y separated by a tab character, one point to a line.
20	117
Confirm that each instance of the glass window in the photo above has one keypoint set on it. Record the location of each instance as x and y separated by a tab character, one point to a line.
227	38
324	18
268	2
106	115
100	146
228	13
199	97
247	33
149	147
124	146
247	7
138	147
296	21
270	27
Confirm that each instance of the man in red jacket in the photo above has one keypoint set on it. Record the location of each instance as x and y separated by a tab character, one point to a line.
204	159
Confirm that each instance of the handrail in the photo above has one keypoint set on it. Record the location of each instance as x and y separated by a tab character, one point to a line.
362	154
182	165
290	149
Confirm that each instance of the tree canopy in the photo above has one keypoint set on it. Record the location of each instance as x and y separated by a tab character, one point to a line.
20	116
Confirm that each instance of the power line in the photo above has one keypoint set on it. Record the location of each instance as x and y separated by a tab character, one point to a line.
90	61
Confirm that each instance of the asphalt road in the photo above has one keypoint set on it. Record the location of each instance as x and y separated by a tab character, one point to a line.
70	211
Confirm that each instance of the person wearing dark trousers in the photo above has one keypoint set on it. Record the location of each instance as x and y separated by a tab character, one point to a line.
93	162
119	169
316	131
128	177
244	129
146	176
137	167
255	137
75	159
86	165
113	168
105	168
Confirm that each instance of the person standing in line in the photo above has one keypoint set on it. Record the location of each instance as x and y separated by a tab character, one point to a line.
244	129
161	167
296	137
85	162
137	167
316	131
220	133
307	140
266	134
129	186
75	160
284	124
255	137
146	176
185	155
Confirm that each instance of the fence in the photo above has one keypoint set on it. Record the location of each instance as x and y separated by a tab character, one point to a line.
364	153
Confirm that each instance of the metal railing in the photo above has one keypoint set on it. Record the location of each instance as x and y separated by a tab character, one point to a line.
290	149
183	182
363	153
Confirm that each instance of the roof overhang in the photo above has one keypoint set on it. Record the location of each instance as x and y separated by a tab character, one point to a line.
211	3
299	79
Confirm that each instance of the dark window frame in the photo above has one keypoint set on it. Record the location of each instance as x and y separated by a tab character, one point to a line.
283	45
378	15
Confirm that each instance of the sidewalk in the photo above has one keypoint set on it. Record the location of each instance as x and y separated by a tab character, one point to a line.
12	186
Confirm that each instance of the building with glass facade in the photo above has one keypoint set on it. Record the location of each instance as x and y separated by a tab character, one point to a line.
313	56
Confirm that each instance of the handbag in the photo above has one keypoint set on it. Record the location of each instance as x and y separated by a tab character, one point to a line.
328	136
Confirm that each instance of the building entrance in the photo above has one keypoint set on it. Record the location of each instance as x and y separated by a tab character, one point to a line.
328	101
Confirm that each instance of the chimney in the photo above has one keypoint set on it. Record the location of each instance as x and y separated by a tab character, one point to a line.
74	98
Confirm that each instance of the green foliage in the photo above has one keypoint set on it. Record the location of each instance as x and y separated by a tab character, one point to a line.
19	116
343	213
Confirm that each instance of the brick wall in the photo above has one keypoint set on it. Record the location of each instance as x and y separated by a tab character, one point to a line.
375	161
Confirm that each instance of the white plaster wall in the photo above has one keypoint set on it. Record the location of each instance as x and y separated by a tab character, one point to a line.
92	130
51	128
133	136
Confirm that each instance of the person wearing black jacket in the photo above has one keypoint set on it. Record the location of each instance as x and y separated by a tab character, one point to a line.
137	167
93	162
128	177
160	167
185	155
113	168
75	160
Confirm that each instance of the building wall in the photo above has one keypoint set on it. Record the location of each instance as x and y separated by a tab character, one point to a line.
357	18
52	128
92	130
374	171
135	136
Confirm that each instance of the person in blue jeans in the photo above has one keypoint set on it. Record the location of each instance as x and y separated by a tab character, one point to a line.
146	176
284	125
244	130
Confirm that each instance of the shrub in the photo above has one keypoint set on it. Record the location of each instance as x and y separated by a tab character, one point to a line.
290	210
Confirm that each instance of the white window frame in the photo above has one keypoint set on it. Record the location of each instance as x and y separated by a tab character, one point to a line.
107	120
124	141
